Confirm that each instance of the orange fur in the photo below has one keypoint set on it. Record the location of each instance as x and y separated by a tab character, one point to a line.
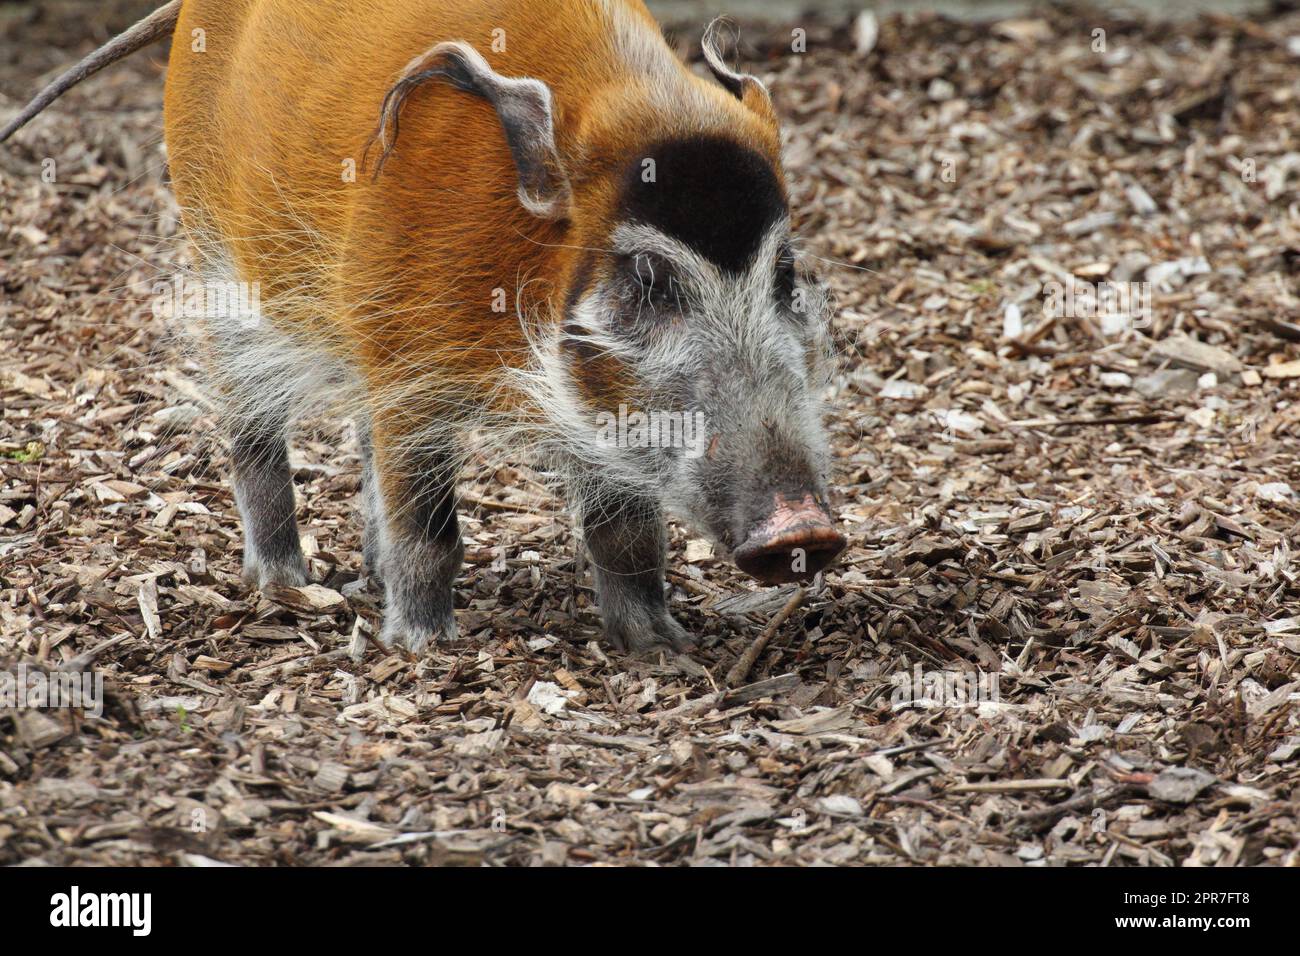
402	273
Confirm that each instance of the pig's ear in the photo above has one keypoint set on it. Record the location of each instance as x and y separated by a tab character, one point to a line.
744	87
523	105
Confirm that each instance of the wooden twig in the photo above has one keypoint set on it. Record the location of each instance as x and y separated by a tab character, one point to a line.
1153	418
742	667
85	659
509	507
1011	786
1047	816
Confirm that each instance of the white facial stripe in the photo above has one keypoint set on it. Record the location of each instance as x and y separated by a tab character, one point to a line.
632	239
692	268
730	315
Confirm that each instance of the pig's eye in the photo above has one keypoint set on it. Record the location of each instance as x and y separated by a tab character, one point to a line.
652	283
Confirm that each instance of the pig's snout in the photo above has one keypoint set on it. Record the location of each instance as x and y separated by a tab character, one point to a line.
793	543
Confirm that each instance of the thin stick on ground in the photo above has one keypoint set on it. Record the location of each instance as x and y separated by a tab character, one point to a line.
1010	786
742	667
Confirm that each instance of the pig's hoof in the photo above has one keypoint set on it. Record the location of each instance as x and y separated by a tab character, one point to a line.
645	630
416	637
289	574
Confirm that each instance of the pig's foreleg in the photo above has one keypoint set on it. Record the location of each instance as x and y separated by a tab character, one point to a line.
372	505
264	494
416	543
626	541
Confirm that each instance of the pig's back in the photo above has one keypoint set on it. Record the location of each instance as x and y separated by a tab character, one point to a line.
268	120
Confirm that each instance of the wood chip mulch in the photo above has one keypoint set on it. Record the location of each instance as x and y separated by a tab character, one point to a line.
1102	517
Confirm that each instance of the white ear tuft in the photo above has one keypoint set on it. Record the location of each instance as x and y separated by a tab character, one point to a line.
743	86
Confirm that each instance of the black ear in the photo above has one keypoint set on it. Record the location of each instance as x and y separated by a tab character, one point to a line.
744	87
523	105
